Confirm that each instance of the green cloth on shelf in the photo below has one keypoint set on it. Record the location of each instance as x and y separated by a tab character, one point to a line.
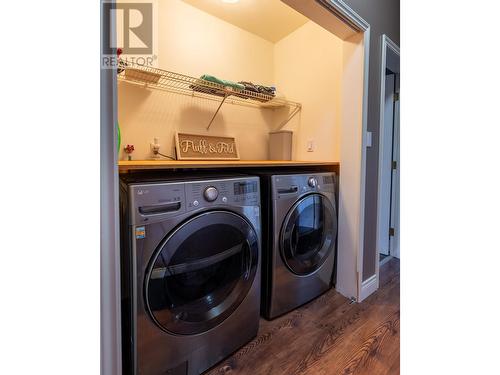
234	85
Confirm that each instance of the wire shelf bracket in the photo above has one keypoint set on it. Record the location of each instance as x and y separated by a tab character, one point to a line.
217	111
290	117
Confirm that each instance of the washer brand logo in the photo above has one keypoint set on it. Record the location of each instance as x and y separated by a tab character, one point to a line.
142	192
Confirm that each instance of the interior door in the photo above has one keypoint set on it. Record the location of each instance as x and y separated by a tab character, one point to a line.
394	239
308	234
201	272
386	181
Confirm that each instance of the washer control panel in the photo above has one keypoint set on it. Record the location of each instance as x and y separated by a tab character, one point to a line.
151	202
211	193
235	192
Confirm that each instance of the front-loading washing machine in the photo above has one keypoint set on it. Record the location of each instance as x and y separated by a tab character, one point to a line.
299	237
190	271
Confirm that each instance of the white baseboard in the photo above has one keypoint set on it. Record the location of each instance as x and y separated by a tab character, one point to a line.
385	260
368	287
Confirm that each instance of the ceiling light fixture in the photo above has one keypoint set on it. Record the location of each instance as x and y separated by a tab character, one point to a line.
230	1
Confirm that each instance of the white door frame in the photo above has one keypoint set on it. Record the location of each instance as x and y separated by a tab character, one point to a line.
388	46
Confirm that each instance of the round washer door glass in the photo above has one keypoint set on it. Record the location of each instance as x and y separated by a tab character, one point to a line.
308	234
201	272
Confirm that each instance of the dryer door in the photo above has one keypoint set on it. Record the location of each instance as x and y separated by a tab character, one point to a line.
308	234
201	272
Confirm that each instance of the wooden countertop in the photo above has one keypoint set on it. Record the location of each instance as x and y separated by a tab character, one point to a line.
126	165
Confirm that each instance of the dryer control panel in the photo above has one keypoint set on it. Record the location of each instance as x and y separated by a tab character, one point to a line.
286	186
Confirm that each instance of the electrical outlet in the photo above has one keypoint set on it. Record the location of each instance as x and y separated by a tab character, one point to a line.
310	145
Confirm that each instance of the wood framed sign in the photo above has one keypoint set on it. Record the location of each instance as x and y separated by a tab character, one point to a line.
205	147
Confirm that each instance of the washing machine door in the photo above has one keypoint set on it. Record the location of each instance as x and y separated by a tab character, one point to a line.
308	234
201	272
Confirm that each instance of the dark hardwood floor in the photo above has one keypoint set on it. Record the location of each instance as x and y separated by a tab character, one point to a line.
328	336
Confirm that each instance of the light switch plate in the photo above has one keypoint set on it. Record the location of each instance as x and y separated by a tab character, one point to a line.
368	139
310	145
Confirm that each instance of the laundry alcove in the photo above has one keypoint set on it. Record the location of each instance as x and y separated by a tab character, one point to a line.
316	62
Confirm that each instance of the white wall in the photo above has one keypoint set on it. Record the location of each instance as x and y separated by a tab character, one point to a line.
306	66
194	43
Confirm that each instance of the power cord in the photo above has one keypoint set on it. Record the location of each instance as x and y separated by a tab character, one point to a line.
165	156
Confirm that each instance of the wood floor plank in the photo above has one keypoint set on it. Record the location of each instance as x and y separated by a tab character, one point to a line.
282	333
340	341
328	336
389	271
376	351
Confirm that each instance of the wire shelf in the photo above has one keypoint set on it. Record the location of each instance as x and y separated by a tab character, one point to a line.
183	84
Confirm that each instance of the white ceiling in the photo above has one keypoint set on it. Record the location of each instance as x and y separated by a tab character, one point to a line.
269	19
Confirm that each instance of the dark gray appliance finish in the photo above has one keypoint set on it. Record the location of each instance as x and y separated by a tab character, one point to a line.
191	271
299	235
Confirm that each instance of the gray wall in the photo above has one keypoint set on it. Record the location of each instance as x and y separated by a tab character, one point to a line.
383	17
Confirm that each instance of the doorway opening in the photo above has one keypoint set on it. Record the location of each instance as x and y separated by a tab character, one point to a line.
388	231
